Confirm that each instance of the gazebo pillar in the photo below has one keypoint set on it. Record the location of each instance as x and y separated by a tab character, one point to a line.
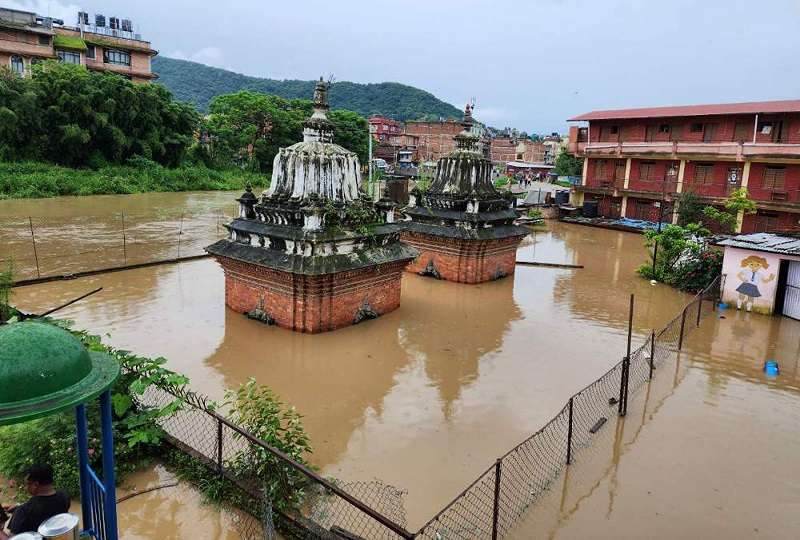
109	481
45	370
83	463
98	497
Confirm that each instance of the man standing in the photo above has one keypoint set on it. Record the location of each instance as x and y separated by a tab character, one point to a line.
45	502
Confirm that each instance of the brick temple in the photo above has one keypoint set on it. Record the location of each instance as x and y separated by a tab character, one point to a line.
314	253
461	225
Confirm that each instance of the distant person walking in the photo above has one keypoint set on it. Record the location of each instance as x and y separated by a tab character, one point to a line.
45	502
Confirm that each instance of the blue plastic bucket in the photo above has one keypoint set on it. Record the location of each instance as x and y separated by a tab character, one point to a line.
771	368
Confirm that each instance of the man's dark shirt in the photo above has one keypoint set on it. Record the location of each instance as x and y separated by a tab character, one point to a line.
39	508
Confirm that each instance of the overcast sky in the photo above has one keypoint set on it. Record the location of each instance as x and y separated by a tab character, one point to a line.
529	64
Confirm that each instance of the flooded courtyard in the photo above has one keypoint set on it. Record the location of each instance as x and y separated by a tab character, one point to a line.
428	396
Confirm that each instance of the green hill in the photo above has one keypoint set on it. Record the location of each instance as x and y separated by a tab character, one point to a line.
198	83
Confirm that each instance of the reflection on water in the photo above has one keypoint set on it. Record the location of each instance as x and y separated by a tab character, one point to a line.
449	381
706	450
426	397
170	512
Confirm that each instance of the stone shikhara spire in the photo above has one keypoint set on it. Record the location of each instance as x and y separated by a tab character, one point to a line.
316	168
314	253
465	172
463	226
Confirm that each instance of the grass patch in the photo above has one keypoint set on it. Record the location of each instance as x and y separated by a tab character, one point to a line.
30	179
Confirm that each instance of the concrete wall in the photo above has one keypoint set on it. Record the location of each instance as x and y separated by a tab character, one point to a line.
766	266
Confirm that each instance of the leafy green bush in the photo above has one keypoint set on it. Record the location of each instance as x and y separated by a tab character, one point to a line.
30	179
674	242
682	261
258	410
697	273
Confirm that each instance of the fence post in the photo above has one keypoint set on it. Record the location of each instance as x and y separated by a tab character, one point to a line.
652	353
496	512
683	325
623	385
219	446
569	432
699	307
124	241
180	233
35	255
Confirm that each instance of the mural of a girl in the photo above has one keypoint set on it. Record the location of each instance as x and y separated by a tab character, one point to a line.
753	273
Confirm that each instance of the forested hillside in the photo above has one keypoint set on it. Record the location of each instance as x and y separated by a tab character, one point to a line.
198	83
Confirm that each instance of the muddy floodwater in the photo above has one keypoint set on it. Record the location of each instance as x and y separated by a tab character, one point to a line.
426	397
67	235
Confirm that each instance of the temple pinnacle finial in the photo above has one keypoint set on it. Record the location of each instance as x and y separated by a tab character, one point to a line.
321	94
467	121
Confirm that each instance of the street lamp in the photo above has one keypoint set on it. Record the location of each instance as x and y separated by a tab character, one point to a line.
671	173
372	130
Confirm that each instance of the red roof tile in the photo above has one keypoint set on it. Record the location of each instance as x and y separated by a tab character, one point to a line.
785	106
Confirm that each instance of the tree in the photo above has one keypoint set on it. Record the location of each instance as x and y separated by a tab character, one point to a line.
72	116
248	128
674	243
736	202
690	208
567	164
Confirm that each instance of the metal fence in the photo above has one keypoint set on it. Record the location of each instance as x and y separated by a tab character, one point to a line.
328	509
498	499
490	507
45	247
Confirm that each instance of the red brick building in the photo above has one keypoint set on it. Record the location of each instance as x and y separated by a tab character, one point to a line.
385	130
434	139
107	45
505	149
637	157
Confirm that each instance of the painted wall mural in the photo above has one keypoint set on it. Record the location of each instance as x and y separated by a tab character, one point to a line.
750	279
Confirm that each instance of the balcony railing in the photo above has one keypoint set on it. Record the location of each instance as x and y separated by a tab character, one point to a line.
655	185
605	183
735	150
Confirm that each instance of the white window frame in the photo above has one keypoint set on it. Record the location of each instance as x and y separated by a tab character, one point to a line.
11	64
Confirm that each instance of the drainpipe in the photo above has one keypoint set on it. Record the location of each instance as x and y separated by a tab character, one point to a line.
755	129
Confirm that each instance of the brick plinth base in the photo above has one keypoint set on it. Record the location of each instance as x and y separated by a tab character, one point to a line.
461	260
313	304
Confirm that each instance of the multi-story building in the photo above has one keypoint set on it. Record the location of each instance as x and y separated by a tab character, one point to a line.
107	45
385	129
434	139
552	146
505	149
638	161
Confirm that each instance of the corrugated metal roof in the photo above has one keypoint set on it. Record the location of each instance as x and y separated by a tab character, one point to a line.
771	243
784	106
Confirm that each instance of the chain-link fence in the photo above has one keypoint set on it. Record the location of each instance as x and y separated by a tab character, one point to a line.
489	508
42	247
493	504
321	508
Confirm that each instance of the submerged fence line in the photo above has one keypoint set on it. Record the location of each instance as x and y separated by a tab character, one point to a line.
327	510
488	508
498	499
52	247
